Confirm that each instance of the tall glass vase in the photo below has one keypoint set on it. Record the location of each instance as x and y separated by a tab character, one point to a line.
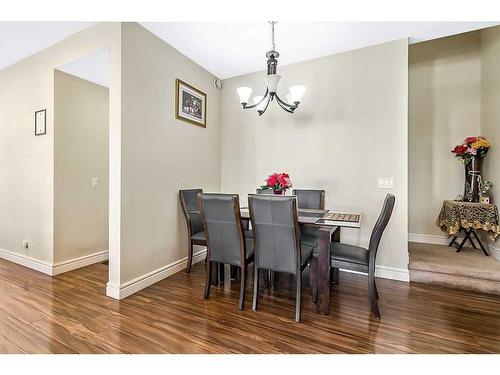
472	179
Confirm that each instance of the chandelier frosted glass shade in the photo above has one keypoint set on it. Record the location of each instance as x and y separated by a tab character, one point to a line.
296	93
244	94
258	100
272	81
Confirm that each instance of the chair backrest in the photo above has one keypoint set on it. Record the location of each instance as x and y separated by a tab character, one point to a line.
307	198
378	229
191	210
221	218
276	232
265	191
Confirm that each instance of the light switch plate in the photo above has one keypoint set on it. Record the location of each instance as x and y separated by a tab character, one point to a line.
386	182
95	182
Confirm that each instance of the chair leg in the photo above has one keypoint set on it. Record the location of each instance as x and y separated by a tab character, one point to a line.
255	287
298	298
376	290
313	280
243	285
373	298
208	280
222	275
334	275
276	278
190	257
234	272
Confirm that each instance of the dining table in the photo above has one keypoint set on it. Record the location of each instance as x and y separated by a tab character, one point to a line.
329	224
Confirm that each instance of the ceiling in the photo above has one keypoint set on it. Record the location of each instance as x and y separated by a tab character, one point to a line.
232	49
228	49
93	67
21	39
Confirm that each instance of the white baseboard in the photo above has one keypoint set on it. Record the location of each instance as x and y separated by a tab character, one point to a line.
428	238
53	269
73	264
392	273
386	272
494	251
27	261
141	282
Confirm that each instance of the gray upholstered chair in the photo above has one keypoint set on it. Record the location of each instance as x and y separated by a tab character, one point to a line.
271	277
196	232
226	241
277	241
356	258
310	199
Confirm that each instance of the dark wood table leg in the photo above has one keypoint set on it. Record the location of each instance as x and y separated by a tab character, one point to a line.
479	242
466	237
453	241
334	272
325	236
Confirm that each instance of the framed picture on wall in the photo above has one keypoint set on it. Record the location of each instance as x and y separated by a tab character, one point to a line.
190	104
41	122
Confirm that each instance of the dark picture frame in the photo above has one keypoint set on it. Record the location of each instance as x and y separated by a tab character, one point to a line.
41	128
190	104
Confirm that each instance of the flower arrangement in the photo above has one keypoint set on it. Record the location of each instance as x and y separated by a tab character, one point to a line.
472	146
278	182
485	187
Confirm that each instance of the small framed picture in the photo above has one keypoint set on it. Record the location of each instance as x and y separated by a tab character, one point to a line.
41	122
190	104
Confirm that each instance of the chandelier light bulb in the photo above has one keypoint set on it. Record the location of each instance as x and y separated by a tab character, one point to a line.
244	94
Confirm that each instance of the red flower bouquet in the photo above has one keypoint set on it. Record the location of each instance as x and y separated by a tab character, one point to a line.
472	146
278	182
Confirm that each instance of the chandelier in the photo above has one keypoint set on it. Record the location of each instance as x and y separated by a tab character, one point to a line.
261	103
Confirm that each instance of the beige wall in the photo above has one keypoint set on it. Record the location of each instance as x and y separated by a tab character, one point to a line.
80	153
350	130
160	154
27	173
490	109
444	108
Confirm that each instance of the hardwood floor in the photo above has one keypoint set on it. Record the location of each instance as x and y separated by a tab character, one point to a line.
69	313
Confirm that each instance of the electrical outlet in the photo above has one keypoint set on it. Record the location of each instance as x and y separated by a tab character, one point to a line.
386	182
95	182
25	243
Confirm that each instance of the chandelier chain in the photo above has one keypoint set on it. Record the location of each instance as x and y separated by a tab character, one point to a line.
272	35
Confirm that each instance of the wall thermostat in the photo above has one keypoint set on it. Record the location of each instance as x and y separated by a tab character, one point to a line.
218	83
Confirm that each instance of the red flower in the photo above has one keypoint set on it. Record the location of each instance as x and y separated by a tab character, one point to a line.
470	139
272	180
459	149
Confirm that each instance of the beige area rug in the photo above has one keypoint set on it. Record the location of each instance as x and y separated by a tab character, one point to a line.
469	269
